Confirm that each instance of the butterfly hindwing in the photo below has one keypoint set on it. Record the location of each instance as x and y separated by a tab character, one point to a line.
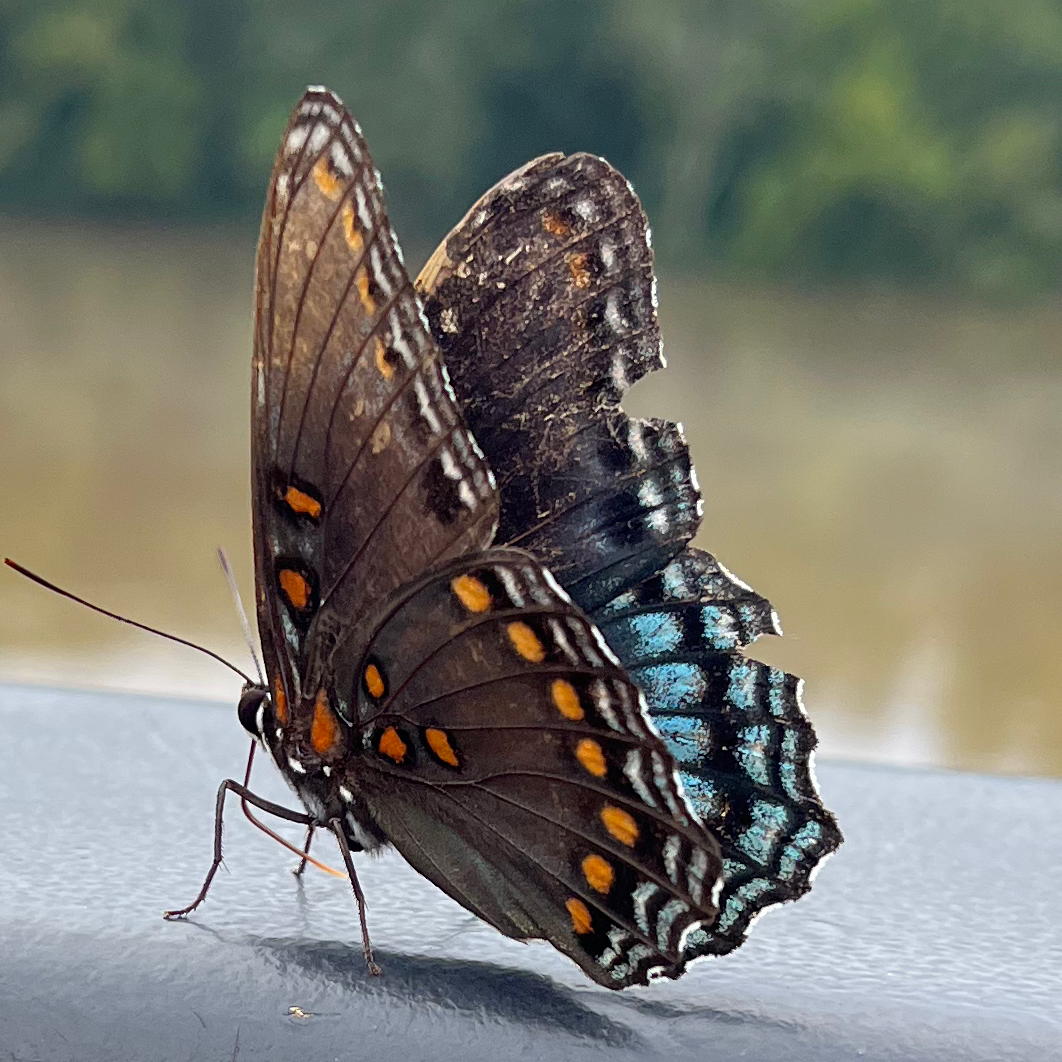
365	474
509	759
544	299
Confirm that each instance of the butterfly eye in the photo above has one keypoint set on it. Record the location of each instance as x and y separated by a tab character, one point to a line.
254	702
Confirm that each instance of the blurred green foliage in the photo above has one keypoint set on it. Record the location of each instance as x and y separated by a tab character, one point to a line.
909	141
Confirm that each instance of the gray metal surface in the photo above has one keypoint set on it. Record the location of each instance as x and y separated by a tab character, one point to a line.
934	934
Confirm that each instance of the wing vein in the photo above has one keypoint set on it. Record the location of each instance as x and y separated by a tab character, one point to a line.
292	195
356	556
301	302
323	346
362	347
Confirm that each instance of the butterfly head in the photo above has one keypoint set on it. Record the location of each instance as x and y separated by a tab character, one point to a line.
255	710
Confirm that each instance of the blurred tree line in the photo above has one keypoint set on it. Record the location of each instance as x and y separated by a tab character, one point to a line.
908	141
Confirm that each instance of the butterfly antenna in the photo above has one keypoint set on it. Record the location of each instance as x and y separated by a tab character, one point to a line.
223	560
123	619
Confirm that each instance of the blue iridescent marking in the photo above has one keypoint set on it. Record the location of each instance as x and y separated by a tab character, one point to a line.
616	605
749	617
769	822
707	798
788	774
776	698
752	753
795	852
675	583
674	686
742	691
788	766
655	633
739	900
684	736
718	626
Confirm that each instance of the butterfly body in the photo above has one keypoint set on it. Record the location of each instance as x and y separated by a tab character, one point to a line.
315	753
434	559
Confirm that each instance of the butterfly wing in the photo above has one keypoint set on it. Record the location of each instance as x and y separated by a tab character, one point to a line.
365	474
543	302
543	299
736	727
509	759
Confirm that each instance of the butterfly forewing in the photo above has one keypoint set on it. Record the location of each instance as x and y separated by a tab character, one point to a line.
543	298
365	474
510	760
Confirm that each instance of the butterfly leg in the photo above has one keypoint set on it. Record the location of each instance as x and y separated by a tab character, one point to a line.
219	810
336	827
305	849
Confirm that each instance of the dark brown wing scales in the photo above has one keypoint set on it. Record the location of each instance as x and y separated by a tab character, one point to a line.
543	301
365	474
508	757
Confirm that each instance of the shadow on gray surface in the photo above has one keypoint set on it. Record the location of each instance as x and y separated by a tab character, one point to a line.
478	989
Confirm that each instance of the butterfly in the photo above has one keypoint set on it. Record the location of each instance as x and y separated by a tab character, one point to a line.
487	641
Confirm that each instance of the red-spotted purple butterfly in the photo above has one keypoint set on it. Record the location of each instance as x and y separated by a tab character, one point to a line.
487	640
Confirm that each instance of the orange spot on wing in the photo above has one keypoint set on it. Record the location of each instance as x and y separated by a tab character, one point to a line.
374	682
588	753
555	225
326	180
621	825
580	271
580	915
598	873
387	370
295	587
298	501
351	232
471	593
439	743
362	282
280	702
390	744
565	699
324	730
526	642
381	436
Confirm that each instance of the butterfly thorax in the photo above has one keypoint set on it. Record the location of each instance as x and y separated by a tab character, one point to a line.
315	751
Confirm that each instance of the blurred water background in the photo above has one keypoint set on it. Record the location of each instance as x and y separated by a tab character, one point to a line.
857	212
